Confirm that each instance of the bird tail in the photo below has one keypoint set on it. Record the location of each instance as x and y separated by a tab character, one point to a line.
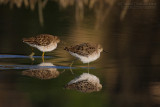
24	40
69	86
27	40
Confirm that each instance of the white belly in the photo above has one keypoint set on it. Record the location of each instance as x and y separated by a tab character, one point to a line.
47	48
88	59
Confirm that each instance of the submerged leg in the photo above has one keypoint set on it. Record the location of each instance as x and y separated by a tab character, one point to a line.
42	59
32	54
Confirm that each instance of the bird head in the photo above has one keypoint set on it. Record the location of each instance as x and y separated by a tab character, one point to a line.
57	39
99	87
100	49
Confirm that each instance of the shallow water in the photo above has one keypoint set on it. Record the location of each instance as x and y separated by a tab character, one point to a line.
129	72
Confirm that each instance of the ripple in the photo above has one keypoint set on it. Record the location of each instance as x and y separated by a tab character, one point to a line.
22	56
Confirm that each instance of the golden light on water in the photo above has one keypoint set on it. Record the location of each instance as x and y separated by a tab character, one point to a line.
128	30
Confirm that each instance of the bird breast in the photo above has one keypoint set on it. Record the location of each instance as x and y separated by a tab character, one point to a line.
46	48
86	59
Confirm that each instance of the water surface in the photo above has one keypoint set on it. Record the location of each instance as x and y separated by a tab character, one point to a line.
129	72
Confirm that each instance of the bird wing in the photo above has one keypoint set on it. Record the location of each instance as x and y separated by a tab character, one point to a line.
83	86
42	40
84	49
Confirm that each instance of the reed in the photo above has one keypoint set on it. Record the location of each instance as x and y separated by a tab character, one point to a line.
101	8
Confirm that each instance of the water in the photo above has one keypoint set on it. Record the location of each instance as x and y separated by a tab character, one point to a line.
129	72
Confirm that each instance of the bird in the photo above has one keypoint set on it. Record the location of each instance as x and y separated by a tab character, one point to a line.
85	52
86	83
42	73
43	42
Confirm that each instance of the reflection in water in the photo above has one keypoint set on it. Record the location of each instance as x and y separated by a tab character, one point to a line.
42	73
131	35
101	8
21	56
155	92
85	83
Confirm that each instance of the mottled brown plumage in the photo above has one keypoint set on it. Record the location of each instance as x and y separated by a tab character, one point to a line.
84	86
83	49
86	52
43	73
41	40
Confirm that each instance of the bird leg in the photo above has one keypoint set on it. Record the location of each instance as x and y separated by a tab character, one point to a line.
32	54
43	57
62	71
71	67
43	54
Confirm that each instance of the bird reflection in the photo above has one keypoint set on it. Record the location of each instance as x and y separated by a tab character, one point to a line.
86	83
42	73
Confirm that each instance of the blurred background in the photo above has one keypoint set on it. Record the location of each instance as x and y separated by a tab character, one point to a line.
128	29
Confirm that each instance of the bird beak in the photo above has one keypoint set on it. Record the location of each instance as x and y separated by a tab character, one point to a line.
105	51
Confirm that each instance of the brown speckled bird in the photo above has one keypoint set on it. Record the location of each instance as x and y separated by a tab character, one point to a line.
86	52
43	42
85	83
